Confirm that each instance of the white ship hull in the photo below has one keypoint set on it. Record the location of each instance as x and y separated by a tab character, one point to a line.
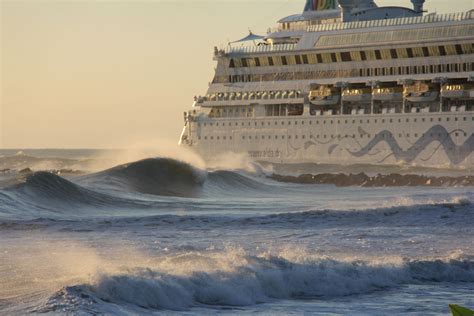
428	139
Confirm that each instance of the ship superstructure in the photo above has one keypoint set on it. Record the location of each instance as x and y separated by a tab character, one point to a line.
344	82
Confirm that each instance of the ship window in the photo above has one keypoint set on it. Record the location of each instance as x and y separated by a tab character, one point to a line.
298	60
333	57
270	61
346	56
305	59
231	64
377	54
244	62
442	50
319	58
257	62
393	53
363	56
283	60
410	52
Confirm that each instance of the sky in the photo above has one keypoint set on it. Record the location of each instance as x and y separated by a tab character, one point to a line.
108	74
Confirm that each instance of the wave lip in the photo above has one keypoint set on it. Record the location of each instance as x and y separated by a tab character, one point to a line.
244	280
155	176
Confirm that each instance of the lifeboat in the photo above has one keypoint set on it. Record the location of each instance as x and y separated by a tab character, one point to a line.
363	95
420	92
457	91
388	94
324	96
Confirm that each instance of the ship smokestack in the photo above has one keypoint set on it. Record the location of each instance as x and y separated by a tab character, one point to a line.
418	5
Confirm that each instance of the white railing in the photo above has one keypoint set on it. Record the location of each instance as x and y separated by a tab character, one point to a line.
292	28
259	49
393	22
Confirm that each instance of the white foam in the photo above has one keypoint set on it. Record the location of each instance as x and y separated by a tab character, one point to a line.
236	278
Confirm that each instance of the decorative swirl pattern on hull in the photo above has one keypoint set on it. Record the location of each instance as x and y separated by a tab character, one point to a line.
456	154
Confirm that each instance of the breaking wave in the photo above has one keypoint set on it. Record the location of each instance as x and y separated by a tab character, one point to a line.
235	278
155	176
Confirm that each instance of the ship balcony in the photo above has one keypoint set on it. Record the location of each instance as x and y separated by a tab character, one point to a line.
252	97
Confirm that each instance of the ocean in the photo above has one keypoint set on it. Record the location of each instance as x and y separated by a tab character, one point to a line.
81	235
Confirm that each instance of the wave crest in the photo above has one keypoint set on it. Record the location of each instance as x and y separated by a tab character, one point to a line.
156	176
239	279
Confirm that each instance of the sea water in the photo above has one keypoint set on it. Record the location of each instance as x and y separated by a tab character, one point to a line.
160	236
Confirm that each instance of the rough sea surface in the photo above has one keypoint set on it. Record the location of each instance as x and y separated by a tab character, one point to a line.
161	236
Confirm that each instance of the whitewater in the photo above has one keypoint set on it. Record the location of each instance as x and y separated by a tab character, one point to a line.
163	236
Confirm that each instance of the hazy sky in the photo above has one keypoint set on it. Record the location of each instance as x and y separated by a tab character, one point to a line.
102	74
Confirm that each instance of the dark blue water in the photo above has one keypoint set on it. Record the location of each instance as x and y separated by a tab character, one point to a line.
159	235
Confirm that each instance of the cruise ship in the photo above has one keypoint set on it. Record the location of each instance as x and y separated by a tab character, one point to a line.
344	82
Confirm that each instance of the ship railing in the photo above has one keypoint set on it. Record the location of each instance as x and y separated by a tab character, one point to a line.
431	18
292	28
259	49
